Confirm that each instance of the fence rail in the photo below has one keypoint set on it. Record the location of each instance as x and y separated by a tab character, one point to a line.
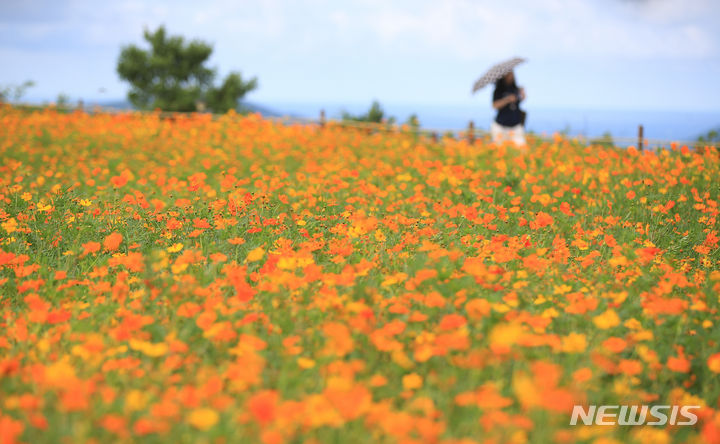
471	133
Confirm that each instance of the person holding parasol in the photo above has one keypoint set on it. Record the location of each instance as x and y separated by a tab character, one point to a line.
509	122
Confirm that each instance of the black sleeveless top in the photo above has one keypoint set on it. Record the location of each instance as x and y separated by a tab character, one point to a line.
508	115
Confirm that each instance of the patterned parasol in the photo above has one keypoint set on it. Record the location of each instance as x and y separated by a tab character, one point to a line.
496	72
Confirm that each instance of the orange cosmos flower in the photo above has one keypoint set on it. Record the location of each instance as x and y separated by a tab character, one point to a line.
115	424
452	321
713	363
90	247
412	381
10	429
646	255
118	181
582	375
488	397
541	220
680	363
263	406
477	308
614	344
339	342
630	367
112	241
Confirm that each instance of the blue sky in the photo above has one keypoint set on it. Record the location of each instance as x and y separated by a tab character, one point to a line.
598	54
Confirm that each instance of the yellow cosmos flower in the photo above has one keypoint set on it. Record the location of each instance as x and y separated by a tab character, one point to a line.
203	418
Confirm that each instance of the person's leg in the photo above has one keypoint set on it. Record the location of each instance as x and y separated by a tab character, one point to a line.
519	136
496	131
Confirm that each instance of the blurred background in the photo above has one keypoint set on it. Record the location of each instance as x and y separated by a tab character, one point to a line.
594	66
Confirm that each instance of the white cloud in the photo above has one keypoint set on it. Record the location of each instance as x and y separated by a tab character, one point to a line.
464	29
551	28
673	11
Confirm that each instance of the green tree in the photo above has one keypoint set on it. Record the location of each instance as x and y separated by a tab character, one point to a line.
62	101
374	114
413	122
710	137
15	92
172	76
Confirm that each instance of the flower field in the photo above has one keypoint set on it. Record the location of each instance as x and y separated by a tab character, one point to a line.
235	280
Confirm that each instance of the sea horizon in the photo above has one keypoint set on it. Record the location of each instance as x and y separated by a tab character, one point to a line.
584	122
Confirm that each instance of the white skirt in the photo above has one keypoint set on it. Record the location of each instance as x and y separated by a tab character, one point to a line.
515	134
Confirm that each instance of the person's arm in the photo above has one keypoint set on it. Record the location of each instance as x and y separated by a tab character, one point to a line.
522	95
505	101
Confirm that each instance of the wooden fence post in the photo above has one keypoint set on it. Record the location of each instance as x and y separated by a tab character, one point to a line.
640	137
322	118
471	132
